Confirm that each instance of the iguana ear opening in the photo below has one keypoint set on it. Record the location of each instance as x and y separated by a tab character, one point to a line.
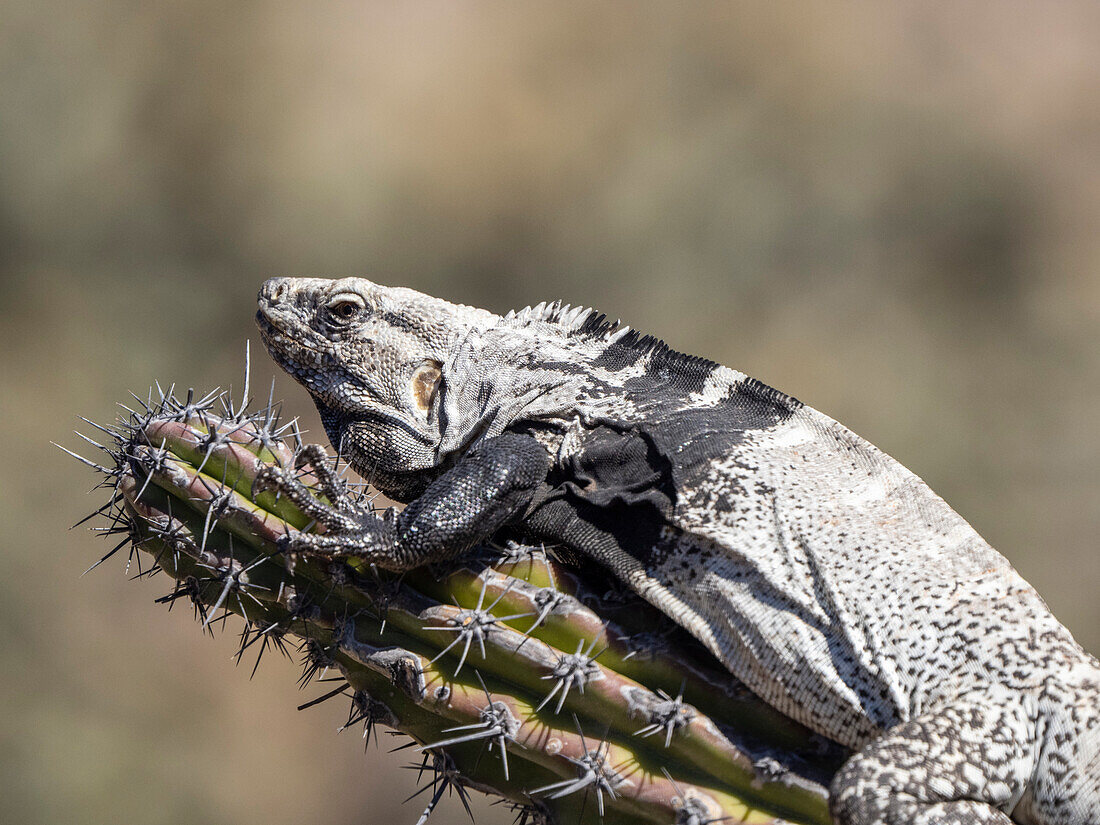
425	384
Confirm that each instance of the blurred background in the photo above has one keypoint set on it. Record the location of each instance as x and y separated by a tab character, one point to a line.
891	211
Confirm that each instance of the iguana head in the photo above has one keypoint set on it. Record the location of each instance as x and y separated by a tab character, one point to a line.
405	383
374	360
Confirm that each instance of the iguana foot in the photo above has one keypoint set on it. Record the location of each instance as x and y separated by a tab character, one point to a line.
351	530
334	487
277	480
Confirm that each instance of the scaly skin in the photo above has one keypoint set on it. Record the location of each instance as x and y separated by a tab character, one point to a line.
822	573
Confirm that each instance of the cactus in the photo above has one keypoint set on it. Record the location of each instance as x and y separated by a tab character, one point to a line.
512	673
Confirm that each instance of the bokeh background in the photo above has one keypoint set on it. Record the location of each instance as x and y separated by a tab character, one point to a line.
890	210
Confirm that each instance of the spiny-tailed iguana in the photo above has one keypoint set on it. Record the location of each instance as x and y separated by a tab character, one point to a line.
827	577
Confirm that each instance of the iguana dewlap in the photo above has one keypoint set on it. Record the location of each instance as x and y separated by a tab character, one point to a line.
827	577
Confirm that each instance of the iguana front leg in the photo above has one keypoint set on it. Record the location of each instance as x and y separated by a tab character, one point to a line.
484	490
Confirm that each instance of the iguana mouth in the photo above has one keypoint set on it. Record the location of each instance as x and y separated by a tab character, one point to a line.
280	343
268	330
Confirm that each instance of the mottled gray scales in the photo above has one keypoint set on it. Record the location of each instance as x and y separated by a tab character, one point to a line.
826	576
968	761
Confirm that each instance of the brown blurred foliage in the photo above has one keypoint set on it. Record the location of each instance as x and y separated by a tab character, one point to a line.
891	211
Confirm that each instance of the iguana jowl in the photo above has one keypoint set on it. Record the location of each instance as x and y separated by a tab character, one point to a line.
827	577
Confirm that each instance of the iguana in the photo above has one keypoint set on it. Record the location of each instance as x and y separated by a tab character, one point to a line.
827	577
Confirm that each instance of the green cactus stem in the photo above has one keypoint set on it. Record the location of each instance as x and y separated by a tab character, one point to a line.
514	674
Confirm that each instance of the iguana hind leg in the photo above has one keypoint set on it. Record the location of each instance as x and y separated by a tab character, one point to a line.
966	763
1066	787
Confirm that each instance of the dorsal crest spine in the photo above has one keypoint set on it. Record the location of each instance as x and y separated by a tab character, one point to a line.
592	325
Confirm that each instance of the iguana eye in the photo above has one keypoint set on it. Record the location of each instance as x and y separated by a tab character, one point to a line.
346	306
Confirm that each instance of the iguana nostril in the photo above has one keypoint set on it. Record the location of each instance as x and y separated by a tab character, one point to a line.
275	289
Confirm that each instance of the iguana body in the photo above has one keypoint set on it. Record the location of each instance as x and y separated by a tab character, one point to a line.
827	577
